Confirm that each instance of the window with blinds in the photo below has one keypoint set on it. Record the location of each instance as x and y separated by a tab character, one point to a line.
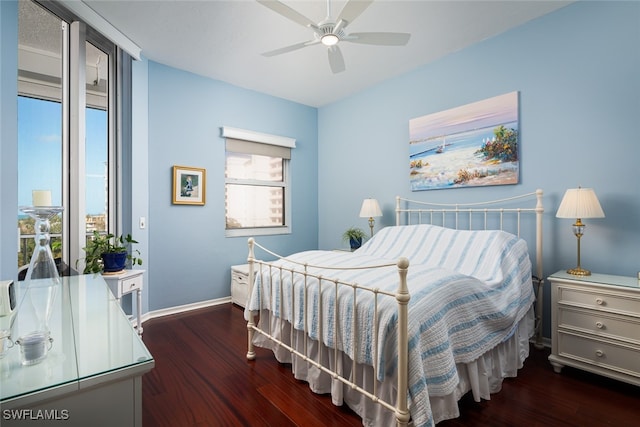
257	196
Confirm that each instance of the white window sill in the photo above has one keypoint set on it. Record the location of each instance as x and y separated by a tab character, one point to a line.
259	231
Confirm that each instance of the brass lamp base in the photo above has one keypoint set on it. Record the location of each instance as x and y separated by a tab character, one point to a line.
579	271
371	222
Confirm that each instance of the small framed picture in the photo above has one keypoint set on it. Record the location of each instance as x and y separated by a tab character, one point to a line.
188	185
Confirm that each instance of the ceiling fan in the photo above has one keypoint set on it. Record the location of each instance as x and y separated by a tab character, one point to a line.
330	32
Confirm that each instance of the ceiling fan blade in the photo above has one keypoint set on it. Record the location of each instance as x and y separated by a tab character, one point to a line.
290	48
336	61
287	12
352	10
381	39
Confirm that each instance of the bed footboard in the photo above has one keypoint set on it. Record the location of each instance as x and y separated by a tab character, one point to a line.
354	292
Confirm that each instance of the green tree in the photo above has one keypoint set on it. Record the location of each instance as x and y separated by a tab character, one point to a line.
504	146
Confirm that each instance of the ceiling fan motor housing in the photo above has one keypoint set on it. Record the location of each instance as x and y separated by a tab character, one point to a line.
327	34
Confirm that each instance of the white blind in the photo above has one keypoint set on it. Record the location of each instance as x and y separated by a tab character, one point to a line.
249	147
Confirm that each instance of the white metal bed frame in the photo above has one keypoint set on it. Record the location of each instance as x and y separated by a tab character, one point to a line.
400	407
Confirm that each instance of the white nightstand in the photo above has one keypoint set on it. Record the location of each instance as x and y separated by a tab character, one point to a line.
240	284
127	282
595	324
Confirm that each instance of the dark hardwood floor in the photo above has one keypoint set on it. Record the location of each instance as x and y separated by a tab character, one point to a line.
202	378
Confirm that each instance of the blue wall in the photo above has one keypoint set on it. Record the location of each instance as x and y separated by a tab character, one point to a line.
189	254
139	187
577	71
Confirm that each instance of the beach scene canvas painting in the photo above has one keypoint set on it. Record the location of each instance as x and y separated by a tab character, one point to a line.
472	145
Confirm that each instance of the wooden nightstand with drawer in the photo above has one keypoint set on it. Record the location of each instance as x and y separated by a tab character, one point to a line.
240	284
595	324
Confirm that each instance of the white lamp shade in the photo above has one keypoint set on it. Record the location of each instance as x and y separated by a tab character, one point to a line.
370	209
580	203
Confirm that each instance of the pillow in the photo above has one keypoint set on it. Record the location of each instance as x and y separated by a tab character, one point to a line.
477	253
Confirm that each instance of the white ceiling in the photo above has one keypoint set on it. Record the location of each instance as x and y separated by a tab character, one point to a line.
224	39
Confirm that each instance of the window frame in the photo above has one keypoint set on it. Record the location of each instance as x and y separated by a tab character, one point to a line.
75	99
285	184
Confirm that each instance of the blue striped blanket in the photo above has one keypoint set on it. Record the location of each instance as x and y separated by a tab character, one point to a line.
468	291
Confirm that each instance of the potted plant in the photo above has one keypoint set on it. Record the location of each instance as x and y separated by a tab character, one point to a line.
107	253
354	236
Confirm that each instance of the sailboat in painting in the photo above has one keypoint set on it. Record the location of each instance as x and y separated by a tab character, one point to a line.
440	149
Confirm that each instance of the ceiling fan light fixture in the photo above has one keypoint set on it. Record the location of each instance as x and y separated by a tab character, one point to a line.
330	39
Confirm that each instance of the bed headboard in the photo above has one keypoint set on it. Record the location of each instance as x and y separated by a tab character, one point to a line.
517	215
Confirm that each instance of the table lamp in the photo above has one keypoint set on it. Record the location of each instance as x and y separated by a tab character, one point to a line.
370	209
579	203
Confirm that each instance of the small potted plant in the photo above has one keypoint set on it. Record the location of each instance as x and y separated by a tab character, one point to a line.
107	253
354	236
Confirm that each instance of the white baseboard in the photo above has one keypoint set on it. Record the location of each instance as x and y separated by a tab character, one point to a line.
183	308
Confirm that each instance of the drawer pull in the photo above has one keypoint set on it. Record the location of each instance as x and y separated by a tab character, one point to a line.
599	353
599	325
133	285
599	301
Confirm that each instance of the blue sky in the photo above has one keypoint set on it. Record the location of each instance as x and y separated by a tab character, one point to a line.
40	152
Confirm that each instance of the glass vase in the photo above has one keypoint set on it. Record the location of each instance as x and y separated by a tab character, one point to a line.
42	265
30	329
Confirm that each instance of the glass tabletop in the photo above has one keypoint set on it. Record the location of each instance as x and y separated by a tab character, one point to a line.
91	336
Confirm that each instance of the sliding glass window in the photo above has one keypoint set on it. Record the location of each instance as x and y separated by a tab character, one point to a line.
66	127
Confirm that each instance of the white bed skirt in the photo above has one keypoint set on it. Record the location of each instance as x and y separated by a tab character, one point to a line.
482	377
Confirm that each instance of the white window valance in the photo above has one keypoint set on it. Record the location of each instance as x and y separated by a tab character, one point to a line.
264	138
